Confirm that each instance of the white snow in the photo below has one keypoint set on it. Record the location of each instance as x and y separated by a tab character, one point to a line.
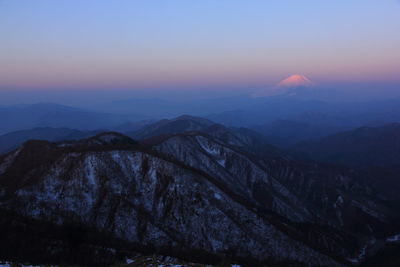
129	261
116	156
363	252
394	238
217	196
91	171
213	150
8	264
295	81
337	205
339	201
221	162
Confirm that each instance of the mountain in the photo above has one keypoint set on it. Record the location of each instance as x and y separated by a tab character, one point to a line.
12	140
271	109
196	196
303	180
242	137
170	108
362	147
141	198
23	117
296	81
132	126
180	124
286	86
303	108
286	133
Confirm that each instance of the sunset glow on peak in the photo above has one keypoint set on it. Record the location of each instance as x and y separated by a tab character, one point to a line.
292	82
296	81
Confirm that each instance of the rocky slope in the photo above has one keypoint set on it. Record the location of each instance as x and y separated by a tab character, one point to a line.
142	198
297	190
192	196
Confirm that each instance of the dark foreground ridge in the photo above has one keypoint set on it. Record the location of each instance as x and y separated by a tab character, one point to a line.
202	196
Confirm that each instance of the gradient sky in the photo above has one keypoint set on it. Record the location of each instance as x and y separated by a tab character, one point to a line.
147	43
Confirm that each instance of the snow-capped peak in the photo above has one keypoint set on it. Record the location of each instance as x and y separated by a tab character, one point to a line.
296	80
284	86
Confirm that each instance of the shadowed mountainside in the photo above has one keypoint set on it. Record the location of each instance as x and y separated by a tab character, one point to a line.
362	147
174	194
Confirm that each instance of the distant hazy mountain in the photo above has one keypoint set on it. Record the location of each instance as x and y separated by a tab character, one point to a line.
284	133
302	103
180	124
52	115
269	110
363	147
285	86
167	108
132	126
315	112
12	140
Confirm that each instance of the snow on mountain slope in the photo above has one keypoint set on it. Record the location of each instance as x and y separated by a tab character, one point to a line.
299	191
237	171
194	192
296	81
285	86
146	199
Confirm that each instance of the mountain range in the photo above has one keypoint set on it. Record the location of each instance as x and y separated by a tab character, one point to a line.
13	140
22	117
187	188
287	86
361	147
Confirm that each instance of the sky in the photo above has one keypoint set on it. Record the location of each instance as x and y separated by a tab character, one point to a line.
138	44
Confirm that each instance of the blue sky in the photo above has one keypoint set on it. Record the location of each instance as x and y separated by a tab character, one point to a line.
136	44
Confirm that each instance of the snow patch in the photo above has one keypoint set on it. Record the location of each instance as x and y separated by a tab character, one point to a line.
129	261
337	205
8	264
218	196
363	252
91	172
395	238
213	150
221	162
339	201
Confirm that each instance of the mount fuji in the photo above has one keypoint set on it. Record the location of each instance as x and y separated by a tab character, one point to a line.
286	86
296	80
